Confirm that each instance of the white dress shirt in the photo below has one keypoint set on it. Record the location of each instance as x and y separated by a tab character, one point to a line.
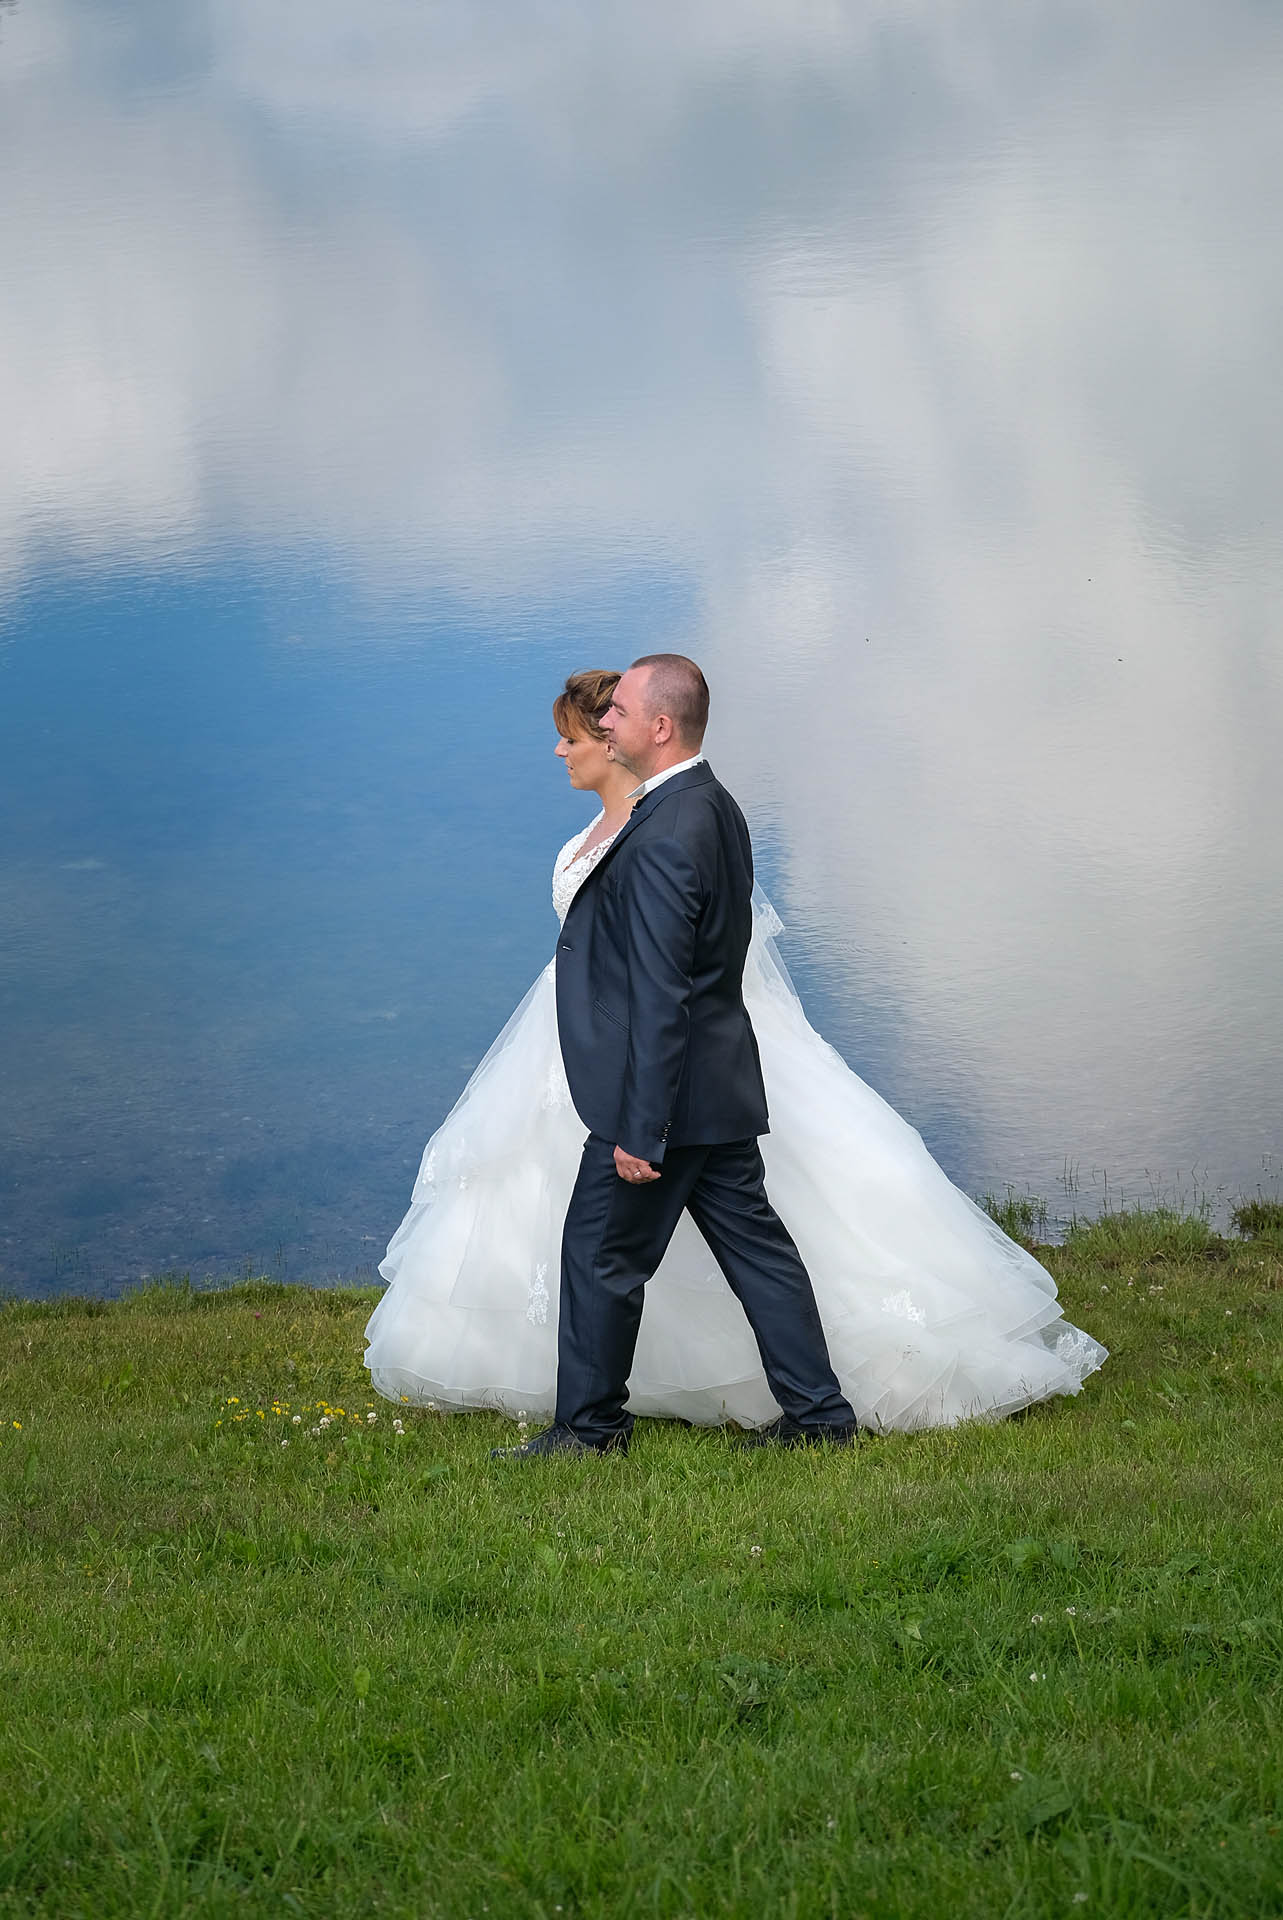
658	779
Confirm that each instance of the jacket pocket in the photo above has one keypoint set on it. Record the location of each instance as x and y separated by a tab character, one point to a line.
614	1018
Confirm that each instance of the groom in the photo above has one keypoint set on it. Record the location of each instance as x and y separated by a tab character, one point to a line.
663	1071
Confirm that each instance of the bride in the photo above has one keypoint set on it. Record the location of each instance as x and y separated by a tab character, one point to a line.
931	1313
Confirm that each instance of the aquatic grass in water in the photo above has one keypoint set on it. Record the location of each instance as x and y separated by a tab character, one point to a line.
1255	1219
1021	1215
1022	1668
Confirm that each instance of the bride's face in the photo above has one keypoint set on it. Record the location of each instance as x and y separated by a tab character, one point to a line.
586	760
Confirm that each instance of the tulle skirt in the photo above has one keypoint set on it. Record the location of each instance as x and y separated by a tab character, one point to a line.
932	1314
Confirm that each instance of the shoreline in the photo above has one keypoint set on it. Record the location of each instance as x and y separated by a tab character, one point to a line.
1026	1217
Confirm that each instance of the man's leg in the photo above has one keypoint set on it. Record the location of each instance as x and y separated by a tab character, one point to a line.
755	1251
615	1236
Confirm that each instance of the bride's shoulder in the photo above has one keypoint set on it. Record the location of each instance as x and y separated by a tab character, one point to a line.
574	843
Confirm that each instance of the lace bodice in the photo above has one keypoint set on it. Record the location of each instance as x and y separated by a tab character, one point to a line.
569	874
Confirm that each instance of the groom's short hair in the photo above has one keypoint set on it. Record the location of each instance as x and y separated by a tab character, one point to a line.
678	688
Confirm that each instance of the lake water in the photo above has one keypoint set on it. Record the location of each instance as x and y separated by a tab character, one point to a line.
916	366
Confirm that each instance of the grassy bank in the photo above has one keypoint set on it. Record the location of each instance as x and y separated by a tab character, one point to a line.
265	1655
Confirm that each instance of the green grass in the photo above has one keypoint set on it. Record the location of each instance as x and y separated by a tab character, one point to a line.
979	1673
1148	1236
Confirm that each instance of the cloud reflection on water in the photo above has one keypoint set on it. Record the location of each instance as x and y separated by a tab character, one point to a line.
934	346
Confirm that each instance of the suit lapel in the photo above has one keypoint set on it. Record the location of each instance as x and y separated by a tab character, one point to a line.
693	777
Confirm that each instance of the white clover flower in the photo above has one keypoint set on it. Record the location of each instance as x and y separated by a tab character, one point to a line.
285	1443
1037	1676
1035	1619
325	1419
1015	1775
296	1420
1071	1611
314	1431
755	1551
370	1419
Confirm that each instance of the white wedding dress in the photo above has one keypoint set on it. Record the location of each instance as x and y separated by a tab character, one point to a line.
932	1314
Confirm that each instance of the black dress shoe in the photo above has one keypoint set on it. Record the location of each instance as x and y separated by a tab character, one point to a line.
557	1439
785	1432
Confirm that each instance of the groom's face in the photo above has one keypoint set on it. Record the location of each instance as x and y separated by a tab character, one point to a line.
629	725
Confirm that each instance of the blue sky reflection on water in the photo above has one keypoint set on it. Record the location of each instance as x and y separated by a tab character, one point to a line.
268	915
915	366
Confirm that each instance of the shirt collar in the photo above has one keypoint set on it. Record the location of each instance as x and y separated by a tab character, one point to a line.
658	779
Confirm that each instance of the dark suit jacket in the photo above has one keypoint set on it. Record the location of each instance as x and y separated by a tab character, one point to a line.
658	1048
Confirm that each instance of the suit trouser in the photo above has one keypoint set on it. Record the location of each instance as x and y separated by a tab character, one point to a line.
615	1236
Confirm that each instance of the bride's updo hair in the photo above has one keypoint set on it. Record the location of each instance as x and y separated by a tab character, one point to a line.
577	710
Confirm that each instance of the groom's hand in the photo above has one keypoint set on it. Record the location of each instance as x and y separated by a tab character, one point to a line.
633	1170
